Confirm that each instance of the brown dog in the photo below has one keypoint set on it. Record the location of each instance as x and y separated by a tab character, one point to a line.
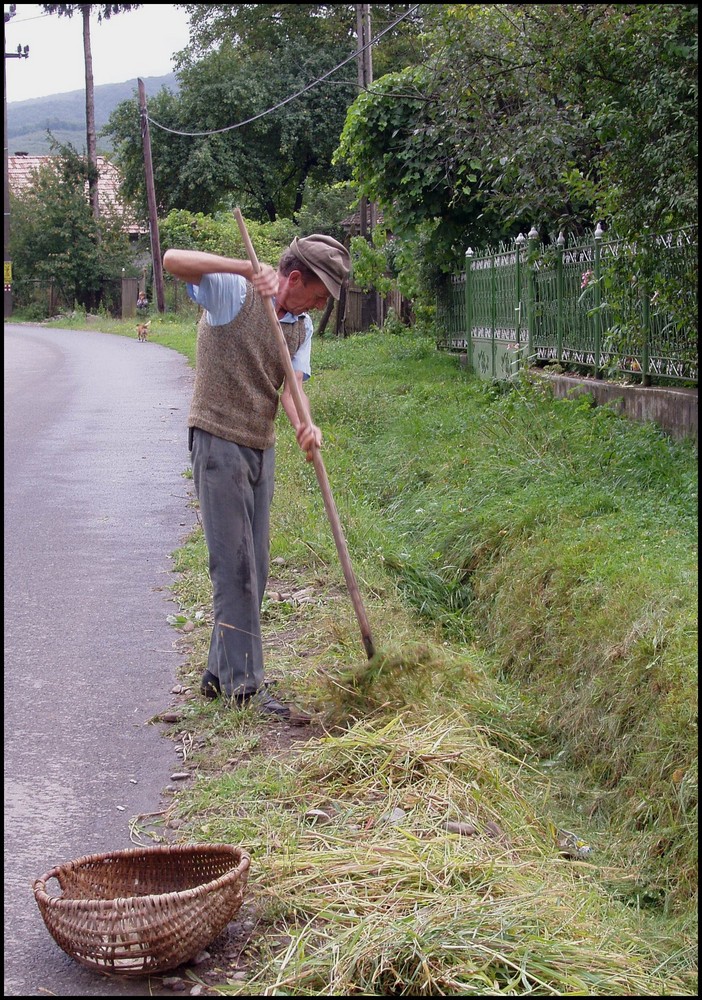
143	330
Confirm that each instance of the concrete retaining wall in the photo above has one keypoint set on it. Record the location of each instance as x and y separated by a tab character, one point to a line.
674	410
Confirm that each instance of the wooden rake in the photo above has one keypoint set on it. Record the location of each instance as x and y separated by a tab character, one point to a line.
317	460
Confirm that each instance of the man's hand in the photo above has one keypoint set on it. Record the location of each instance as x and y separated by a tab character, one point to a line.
309	436
265	280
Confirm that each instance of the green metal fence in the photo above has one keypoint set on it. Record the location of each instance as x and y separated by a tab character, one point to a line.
611	308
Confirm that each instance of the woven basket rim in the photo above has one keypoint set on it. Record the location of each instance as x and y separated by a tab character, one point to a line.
244	861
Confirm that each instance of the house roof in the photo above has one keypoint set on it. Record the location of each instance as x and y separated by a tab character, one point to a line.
21	167
353	222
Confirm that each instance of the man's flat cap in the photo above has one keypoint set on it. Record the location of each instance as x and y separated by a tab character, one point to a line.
329	260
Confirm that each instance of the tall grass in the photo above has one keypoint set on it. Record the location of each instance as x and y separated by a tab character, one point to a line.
560	537
529	570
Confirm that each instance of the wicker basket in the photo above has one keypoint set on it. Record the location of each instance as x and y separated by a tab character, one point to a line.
143	910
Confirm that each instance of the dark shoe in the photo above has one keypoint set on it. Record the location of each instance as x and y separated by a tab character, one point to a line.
209	685
265	703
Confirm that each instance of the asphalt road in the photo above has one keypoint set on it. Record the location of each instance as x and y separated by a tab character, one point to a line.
95	502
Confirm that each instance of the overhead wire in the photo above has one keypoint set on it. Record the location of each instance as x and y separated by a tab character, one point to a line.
287	100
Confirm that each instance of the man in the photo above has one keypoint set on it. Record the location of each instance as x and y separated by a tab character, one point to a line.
238	375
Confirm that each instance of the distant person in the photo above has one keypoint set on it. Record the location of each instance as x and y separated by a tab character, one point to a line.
142	304
238	376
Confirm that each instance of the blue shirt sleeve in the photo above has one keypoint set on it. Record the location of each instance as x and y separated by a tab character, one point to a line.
220	295
302	358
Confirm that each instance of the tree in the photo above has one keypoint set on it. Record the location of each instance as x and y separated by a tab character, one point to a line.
644	114
300	27
103	11
202	164
57	238
558	114
238	68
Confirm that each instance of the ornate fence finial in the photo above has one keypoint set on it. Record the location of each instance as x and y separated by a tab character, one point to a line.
533	233
469	252
599	232
520	240
561	239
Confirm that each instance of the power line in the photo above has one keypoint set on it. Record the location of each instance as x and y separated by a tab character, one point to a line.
321	79
24	20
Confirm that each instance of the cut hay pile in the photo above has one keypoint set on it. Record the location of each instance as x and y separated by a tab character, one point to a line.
424	866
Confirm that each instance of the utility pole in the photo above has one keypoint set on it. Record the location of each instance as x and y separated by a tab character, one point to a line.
21	53
371	307
365	78
151	199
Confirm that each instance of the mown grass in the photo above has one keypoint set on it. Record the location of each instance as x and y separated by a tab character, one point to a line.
529	569
383	898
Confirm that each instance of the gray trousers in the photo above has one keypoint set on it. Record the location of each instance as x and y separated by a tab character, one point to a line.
234	486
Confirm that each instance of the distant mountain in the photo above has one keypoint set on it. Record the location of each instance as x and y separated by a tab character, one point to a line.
64	115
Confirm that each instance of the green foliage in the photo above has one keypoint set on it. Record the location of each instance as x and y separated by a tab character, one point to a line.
557	114
645	116
104	11
325	207
124	132
279	27
420	266
219	142
208	160
398	161
196	231
55	238
411	263
370	263
220	235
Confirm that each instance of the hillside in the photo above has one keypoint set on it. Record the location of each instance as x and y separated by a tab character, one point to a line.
64	115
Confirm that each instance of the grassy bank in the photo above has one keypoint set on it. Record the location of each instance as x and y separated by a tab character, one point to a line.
529	569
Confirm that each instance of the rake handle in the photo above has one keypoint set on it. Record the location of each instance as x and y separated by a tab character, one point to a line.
317	461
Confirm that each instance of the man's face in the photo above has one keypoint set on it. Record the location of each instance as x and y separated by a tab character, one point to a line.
297	297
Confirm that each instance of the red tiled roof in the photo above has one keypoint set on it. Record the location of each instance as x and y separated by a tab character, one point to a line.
21	167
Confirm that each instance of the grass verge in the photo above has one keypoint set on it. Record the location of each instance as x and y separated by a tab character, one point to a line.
529	569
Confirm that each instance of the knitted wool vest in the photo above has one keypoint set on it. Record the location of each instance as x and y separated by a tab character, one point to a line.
238	372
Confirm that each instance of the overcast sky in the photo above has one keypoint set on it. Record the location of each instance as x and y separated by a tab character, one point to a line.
137	43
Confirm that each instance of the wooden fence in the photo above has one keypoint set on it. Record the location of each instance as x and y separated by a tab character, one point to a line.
358	310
